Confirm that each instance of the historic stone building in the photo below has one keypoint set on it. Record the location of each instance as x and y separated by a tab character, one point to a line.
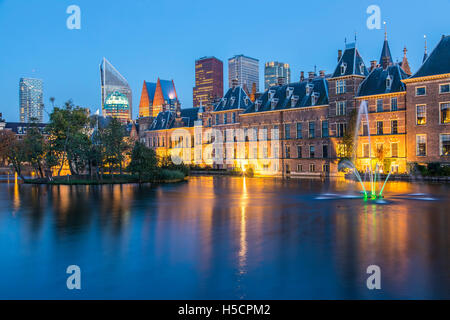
303	128
428	108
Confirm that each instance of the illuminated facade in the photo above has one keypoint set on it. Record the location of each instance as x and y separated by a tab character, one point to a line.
157	97
245	70
111	80
31	100
117	106
302	128
208	81
274	71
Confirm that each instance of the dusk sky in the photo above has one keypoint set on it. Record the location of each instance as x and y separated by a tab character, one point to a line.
149	39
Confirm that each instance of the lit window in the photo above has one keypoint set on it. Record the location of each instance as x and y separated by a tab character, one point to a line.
299	168
341	127
445	112
421	145
365	150
421	114
421	91
394	149
312	167
288	152
444	144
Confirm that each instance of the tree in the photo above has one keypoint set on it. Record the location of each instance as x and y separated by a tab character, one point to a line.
34	149
115	144
143	161
349	135
7	139
68	131
17	156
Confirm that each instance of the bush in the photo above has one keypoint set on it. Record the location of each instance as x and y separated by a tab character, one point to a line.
166	174
249	172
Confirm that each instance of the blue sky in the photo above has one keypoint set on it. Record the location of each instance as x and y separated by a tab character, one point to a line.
145	39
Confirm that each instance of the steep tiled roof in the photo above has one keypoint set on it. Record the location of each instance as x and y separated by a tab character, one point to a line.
235	98
351	63
385	52
292	95
167	119
376	82
151	86
438	62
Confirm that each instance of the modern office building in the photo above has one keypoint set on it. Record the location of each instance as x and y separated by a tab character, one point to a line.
31	100
112	80
245	70
208	81
116	106
274	71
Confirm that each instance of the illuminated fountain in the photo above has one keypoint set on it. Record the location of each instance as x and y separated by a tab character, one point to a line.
374	175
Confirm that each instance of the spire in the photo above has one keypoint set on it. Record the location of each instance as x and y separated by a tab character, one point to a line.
386	57
405	63
425	55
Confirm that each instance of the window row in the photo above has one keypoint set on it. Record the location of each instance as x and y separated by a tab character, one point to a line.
444	145
444	113
443	88
306	152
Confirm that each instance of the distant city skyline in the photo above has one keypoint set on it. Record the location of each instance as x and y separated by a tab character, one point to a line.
273	70
245	70
208	81
171	52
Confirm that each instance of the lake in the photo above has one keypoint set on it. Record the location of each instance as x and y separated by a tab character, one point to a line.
224	238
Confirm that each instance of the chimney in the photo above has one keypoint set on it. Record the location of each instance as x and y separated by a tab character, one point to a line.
339	55
322	73
311	75
280	81
373	64
234	83
302	76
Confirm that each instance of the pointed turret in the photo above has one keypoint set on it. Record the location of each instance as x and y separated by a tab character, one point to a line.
405	63
386	57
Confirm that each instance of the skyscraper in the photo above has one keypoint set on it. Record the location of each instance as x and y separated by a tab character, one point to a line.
112	80
273	71
208	80
31	100
245	70
116	105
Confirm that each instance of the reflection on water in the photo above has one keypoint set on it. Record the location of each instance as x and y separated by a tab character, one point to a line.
224	237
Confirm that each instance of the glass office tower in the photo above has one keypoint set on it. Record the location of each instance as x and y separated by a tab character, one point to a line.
111	81
245	70
31	100
273	71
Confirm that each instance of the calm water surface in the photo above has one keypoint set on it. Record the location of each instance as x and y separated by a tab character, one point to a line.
224	238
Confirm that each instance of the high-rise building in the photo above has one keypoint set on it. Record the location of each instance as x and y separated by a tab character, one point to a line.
116	106
31	100
245	70
208	81
275	70
112	80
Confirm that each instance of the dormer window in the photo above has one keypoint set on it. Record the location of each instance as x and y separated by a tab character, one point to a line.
308	89
361	68
273	103
314	98
388	82
224	102
162	122
232	99
271	94
294	101
289	91
246	100
257	104
343	68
